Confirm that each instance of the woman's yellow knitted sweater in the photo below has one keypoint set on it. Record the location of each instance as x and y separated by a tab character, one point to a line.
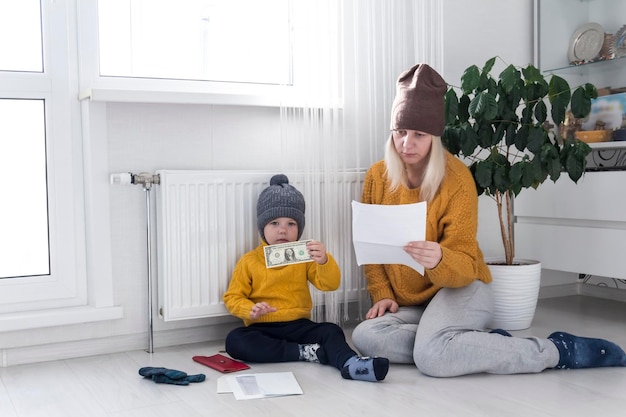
283	287
451	220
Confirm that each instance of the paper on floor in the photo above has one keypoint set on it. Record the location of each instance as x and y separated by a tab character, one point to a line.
261	385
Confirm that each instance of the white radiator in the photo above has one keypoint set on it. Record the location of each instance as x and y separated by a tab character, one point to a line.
206	220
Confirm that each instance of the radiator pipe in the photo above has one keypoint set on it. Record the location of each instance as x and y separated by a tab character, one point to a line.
149	259
146	180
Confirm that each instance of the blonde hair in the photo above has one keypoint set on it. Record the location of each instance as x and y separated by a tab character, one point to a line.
433	173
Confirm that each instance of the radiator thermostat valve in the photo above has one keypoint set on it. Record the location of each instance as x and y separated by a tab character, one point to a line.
124	178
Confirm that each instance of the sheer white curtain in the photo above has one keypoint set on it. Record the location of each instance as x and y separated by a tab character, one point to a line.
350	53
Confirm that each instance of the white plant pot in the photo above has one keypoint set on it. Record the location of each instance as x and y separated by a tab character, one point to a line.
515	292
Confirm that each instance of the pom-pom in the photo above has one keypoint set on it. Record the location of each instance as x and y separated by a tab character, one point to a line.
279	179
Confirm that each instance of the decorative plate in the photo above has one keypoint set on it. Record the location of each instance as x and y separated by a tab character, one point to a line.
620	42
586	42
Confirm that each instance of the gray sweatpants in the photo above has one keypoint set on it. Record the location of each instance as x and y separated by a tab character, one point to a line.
447	337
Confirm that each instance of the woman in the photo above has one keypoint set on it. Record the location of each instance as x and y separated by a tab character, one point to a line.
437	320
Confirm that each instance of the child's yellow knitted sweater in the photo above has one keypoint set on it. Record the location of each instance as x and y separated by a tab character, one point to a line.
451	220
283	287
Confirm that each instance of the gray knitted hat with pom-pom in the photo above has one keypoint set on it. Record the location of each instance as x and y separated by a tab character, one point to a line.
280	199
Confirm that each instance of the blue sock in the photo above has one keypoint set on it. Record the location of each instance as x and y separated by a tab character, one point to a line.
583	352
365	368
501	331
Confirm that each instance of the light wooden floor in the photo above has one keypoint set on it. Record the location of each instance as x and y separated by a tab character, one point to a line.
109	385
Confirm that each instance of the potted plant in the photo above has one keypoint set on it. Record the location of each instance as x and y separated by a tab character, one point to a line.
501	126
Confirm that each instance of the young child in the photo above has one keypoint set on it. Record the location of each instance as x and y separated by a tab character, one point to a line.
275	303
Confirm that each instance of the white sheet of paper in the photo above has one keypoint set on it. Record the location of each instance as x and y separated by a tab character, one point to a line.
379	232
251	386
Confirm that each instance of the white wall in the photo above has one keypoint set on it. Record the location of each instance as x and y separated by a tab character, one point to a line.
146	137
475	31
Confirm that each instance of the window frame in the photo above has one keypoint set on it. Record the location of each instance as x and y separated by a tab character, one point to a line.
73	292
94	87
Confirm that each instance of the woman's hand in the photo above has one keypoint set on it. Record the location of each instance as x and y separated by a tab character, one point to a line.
381	307
317	250
426	253
260	309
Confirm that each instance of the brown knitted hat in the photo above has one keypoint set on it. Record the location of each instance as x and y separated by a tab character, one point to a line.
419	102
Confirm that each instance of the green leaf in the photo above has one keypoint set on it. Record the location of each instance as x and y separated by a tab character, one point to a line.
489	65
463	109
483	173
574	159
480	190
575	168
450	139
511	133
559	96
539	170
521	138
549	157
469	79
581	103
533	93
530	172
501	178
536	139
559	91
451	106
541	112
468	140
484	106
532	74
515	173
485	135
509	78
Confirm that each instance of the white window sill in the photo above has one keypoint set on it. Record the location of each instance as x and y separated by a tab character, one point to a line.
58	317
178	97
133	90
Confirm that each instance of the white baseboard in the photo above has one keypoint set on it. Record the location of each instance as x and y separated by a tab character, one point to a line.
579	288
115	344
615	294
562	290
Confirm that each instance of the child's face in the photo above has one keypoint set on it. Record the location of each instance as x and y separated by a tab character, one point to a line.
281	230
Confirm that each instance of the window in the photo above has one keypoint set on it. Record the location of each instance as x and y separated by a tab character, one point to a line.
24	215
20	20
235	52
214	40
42	219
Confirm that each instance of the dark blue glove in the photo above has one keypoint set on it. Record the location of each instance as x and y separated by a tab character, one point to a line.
169	376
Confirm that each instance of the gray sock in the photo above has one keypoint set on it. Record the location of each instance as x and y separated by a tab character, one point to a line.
365	368
308	352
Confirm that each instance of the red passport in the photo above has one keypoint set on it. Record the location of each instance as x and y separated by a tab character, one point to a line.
221	363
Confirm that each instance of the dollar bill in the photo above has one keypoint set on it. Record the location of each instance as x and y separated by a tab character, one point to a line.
286	254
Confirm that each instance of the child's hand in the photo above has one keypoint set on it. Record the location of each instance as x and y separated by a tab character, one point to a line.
260	309
317	250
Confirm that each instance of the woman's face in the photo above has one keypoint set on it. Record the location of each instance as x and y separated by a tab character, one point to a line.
413	146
